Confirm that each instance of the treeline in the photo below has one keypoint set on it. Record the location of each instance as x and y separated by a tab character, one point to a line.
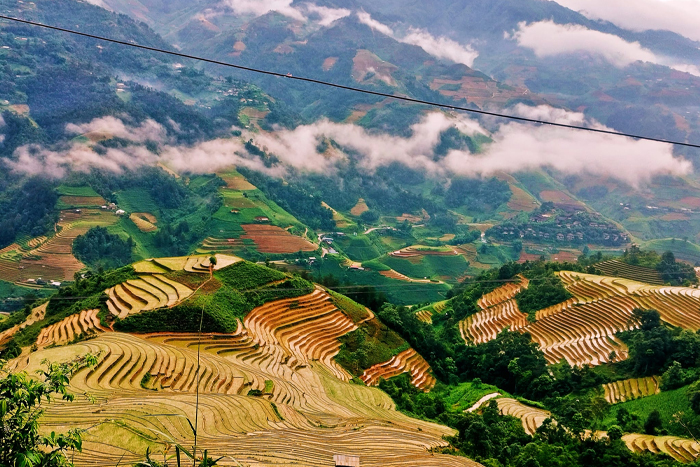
102	250
500	441
27	210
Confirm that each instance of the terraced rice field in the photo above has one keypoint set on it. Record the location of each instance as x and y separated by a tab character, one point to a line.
391	274
415	251
144	221
359	208
52	259
621	391
407	361
683	450
499	310
531	417
583	330
309	411
149	292
628	271
37	314
85	322
272	239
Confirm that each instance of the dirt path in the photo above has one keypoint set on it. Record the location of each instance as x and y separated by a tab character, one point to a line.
481	401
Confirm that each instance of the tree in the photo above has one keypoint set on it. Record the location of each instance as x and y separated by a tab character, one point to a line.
21	399
653	423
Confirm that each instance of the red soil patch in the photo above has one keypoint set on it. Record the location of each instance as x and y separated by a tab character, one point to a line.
272	239
565	256
691	202
521	200
329	63
366	64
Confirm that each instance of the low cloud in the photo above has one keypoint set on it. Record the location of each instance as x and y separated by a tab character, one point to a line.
519	147
516	147
439	47
261	7
679	16
547	39
112	127
366	19
328	16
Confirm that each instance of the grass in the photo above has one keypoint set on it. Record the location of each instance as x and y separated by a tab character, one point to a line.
137	200
668	403
447	268
66	190
465	395
354	310
358	248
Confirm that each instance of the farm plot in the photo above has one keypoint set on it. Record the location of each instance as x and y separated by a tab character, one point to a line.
53	259
272	239
407	361
150	292
682	450
271	381
629	389
627	271
85	322
145	221
499	310
68	202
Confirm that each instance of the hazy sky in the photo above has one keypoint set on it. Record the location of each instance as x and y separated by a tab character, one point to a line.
680	16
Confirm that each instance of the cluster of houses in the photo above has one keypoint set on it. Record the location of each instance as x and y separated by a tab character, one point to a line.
40	281
113	207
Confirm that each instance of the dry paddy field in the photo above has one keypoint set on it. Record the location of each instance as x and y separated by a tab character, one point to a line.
146	222
583	329
52	258
144	388
272	239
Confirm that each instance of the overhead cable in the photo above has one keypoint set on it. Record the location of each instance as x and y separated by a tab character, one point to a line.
351	88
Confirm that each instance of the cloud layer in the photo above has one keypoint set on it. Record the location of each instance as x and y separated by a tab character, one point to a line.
516	147
440	47
547	39
679	16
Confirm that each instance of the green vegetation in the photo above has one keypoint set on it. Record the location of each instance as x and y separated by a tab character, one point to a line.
100	249
220	304
670	270
245	275
14	297
21	400
542	292
27	209
368	345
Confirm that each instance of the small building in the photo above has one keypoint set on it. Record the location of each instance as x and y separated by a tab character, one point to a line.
235	211
346	461
120	212
55	284
262	219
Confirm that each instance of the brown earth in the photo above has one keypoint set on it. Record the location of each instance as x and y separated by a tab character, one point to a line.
359	208
272	239
83	201
329	63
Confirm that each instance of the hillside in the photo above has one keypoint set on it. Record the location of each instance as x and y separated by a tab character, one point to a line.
270	363
289	362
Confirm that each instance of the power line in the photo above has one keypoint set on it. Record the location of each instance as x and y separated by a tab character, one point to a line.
350	88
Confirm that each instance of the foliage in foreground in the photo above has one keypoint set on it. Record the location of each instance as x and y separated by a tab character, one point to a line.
21	399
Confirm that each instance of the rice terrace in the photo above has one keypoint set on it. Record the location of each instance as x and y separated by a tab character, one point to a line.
281	233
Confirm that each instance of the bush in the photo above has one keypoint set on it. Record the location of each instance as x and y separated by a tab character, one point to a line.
245	275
